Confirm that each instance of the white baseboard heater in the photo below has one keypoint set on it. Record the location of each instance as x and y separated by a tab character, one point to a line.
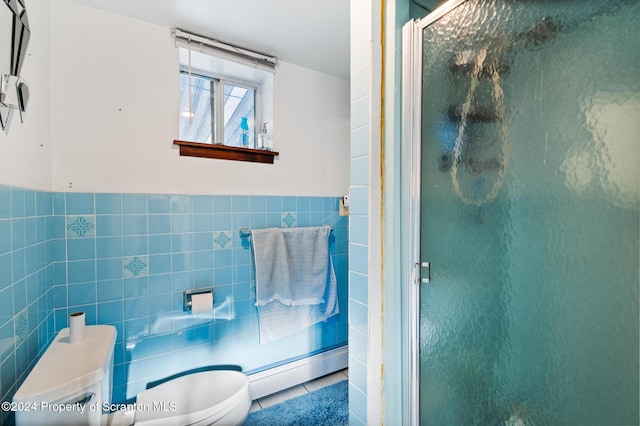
284	376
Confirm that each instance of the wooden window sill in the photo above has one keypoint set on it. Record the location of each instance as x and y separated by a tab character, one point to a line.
207	150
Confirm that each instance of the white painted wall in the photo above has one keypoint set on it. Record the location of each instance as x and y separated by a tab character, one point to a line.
25	148
115	116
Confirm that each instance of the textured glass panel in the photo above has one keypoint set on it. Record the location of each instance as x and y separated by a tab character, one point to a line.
530	180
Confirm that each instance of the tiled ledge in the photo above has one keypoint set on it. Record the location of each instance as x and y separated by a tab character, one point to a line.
207	150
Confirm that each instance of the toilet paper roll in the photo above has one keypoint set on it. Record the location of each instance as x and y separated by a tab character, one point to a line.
201	302
76	327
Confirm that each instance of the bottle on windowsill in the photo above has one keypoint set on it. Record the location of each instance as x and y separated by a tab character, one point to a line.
264	140
244	132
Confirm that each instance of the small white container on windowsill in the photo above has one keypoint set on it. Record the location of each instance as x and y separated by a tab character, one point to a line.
265	141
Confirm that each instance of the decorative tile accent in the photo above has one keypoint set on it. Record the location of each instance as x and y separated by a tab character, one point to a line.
21	326
222	239
135	266
81	226
289	219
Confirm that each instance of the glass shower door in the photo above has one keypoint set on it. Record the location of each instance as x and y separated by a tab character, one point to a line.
529	213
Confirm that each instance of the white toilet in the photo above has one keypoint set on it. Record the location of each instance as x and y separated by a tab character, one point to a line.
207	398
71	385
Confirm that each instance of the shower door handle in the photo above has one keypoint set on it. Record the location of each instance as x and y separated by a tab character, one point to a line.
425	272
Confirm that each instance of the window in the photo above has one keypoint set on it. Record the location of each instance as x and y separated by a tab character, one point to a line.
223	111
226	100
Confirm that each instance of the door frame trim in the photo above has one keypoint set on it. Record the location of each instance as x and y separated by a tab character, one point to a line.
410	198
410	194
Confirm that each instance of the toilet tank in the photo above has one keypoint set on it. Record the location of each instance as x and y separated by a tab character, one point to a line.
70	383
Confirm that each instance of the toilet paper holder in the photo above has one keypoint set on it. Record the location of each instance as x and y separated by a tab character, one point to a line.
187	294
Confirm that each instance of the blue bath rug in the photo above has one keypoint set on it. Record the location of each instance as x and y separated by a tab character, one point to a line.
328	406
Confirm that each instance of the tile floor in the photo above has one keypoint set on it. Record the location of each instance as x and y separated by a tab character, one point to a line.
314	385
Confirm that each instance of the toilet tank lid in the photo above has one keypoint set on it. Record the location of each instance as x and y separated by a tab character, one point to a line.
66	368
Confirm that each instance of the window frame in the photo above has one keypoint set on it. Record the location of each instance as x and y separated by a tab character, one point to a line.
217	83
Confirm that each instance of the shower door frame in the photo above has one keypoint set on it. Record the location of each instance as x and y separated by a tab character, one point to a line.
411	194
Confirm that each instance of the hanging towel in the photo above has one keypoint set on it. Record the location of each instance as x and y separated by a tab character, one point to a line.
292	265
296	284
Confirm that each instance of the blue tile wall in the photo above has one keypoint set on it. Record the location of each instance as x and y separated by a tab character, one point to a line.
362	105
26	285
125	260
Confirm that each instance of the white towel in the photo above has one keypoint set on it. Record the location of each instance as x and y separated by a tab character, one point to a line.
296	284
292	265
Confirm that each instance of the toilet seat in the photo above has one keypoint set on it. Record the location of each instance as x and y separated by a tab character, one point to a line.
199	398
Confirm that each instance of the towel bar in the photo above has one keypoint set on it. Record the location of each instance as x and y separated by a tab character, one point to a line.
246	232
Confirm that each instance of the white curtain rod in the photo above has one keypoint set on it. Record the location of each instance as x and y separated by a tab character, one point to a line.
228	51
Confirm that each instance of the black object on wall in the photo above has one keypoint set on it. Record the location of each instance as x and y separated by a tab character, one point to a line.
14	92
